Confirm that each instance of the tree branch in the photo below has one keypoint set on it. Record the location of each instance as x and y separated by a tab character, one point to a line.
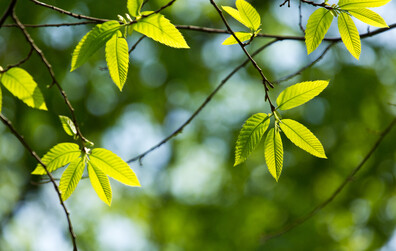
7	12
20	62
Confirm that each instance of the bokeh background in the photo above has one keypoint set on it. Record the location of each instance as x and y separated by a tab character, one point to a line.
192	198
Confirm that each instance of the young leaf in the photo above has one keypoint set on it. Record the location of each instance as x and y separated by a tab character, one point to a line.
134	7
249	14
162	30
57	157
117	58
71	176
349	34
22	85
242	36
302	137
236	14
100	182
273	151
318	24
68	125
357	4
113	166
250	136
300	93
369	17
92	41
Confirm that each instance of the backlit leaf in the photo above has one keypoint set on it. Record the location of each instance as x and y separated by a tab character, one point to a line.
318	24
349	34
100	182
22	85
357	4
134	7
300	93
250	136
59	156
302	137
242	36
273	152
369	17
71	176
249	14
235	14
92	41
162	30
117	58
68	125
113	166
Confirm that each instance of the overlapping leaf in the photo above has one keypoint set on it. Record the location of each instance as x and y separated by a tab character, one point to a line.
92	41
273	152
300	93
68	125
117	58
302	137
100	182
250	136
369	17
71	176
113	166
162	30
242	36
235	14
59	156
248	14
134	7
357	4
349	34
22	85
318	24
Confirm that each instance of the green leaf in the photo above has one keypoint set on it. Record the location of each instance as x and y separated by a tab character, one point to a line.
236	14
349	34
71	176
357	4
22	85
369	17
250	136
134	7
57	157
273	152
68	125
117	58
249	14
92	41
300	93
318	25
113	166
302	137
100	182
162	30
242	36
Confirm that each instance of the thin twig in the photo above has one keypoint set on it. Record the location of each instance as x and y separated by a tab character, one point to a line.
323	4
160	9
300	17
202	106
52	25
20	62
348	179
21	139
136	44
7	12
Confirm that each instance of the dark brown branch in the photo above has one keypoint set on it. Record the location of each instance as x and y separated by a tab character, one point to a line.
136	44
20	62
7	12
323	5
202	106
21	139
52	25
348	179
160	9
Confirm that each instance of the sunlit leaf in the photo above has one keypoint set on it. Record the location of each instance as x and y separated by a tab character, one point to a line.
113	166
349	34
100	182
250	136
162	30
68	125
117	58
300	93
235	14
57	157
273	152
369	17
249	14
318	24
71	176
357	4
242	36
134	7
92	41
22	85
302	137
